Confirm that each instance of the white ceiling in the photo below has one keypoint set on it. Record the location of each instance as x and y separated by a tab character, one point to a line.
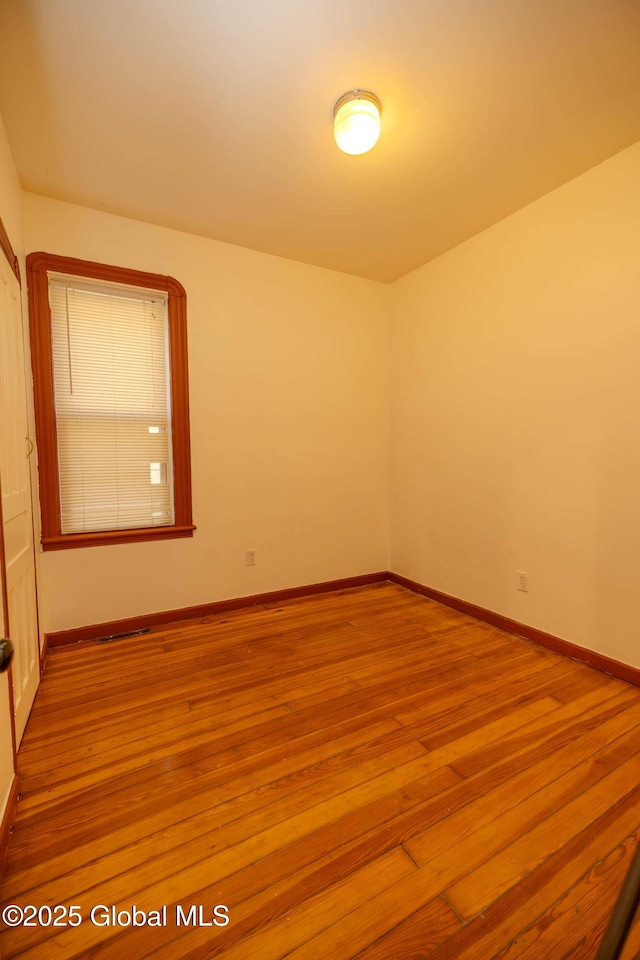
215	116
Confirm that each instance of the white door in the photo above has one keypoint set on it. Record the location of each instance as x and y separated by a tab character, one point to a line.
16	501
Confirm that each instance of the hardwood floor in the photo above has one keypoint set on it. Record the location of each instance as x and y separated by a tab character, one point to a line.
365	774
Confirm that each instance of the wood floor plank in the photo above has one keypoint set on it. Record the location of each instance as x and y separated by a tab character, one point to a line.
417	936
320	912
243	841
525	903
36	862
561	930
493	823
291	872
360	774
609	717
485	884
368	921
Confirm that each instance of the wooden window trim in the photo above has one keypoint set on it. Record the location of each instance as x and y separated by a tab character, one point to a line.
38	265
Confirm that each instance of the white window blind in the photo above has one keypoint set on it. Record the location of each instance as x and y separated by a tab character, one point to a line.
112	405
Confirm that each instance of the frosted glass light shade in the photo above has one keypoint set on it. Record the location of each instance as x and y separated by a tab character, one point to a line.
356	122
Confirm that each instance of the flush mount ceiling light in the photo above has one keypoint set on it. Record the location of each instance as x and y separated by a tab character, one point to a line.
356	121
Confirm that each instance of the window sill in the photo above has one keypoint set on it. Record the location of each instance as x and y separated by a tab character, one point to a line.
70	541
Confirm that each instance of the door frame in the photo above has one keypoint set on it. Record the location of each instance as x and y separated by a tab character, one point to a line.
7	818
7	249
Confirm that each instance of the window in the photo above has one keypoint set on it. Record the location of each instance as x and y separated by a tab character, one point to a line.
109	354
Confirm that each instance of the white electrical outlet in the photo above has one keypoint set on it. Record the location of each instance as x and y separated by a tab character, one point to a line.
249	558
522	581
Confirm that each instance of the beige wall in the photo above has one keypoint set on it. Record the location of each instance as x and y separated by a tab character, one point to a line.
288	371
516	414
10	214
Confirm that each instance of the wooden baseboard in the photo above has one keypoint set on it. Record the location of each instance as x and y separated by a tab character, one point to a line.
615	668
8	817
96	630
